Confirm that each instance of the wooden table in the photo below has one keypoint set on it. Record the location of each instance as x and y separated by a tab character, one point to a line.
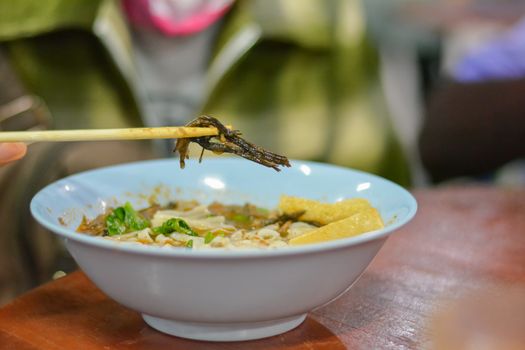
461	239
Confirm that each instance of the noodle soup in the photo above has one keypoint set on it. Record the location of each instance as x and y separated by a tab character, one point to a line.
190	224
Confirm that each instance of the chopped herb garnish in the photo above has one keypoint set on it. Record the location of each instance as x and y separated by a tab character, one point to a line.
209	237
175	225
263	211
125	219
241	218
189	244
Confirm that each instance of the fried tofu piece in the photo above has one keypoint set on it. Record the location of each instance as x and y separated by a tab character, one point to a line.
322	213
366	220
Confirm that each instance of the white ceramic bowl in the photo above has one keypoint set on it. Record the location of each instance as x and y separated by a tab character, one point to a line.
220	295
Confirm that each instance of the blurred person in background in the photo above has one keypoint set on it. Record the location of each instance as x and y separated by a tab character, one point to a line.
473	125
453	77
474	122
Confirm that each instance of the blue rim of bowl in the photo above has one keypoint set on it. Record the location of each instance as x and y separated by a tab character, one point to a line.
223	253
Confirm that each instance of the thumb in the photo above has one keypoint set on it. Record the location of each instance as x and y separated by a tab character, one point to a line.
11	151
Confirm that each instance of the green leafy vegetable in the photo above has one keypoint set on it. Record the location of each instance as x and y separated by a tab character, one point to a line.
175	225
189	244
241	218
263	211
125	219
209	237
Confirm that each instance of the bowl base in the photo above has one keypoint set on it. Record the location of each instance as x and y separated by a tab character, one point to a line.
224	331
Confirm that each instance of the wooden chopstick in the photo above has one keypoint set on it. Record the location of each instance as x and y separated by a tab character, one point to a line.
167	132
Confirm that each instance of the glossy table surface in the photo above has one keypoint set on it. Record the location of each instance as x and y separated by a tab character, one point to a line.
462	239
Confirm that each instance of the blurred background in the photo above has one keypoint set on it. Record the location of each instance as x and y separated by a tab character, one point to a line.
420	92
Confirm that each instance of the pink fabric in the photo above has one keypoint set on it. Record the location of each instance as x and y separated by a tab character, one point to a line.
175	17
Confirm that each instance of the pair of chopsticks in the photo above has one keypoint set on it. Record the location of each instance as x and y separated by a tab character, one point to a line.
168	132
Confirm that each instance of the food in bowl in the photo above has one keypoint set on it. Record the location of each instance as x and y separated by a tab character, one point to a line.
214	294
190	224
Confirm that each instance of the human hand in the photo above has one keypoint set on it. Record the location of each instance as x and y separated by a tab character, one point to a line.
11	151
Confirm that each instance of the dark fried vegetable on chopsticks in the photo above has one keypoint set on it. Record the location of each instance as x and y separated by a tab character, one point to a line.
227	141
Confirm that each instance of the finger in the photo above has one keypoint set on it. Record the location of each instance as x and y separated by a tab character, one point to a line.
11	151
